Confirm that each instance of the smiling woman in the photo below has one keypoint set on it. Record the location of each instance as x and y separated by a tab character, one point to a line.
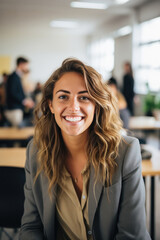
83	179
72	106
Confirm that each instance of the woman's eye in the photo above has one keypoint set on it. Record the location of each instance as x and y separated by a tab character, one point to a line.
84	98
62	97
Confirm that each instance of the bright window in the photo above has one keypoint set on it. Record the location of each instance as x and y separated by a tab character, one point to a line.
148	71
101	54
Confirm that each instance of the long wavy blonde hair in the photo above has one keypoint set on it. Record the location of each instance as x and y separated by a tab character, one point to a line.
104	132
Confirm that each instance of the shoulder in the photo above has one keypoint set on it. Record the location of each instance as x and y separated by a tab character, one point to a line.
129	156
13	77
128	142
31	156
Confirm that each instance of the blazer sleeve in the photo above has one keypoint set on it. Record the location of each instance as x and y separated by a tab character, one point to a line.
132	218
31	224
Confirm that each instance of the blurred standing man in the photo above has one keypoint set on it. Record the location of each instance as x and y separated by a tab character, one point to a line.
128	86
16	100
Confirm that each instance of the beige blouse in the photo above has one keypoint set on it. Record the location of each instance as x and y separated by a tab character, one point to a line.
72	215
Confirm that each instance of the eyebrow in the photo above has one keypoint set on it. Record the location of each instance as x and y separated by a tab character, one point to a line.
65	91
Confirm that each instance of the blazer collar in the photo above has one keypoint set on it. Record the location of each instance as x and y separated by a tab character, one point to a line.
95	190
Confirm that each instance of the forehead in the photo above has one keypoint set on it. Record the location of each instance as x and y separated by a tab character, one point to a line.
70	81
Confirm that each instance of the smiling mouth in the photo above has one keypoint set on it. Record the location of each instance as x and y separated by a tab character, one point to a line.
73	119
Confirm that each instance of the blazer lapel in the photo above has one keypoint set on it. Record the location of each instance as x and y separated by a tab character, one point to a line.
49	212
95	191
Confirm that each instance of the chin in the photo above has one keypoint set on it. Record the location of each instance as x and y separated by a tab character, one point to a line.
73	134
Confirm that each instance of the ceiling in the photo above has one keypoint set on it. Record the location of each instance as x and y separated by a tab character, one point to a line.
37	14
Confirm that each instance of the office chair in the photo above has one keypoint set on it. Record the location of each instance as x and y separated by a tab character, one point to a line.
12	181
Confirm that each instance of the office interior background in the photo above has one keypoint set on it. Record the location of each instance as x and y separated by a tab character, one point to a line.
47	32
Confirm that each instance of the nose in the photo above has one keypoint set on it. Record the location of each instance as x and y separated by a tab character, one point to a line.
73	105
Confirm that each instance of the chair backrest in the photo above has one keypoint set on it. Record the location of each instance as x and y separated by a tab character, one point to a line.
12	181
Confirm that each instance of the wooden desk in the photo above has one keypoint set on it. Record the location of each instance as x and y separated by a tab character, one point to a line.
148	169
13	157
144	123
152	168
18	156
13	133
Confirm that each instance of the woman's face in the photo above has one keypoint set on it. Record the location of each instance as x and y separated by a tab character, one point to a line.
72	105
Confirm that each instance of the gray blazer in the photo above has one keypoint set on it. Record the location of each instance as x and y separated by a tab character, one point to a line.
116	212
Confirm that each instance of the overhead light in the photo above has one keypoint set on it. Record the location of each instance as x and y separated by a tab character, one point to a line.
121	1
63	24
123	31
89	5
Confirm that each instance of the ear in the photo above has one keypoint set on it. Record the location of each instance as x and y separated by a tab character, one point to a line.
50	106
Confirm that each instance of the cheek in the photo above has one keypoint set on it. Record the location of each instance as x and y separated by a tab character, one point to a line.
91	110
57	116
58	109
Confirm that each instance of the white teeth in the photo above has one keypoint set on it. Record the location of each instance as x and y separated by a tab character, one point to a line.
73	119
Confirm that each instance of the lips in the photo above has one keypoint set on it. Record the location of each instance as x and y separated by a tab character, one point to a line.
73	119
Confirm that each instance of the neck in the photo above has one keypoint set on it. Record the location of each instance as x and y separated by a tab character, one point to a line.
19	72
76	145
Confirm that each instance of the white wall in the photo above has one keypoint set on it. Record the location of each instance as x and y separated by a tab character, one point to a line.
123	52
123	44
45	50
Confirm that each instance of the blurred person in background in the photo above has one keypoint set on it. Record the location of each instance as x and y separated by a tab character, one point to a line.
123	111
3	97
37	93
15	96
4	78
128	86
